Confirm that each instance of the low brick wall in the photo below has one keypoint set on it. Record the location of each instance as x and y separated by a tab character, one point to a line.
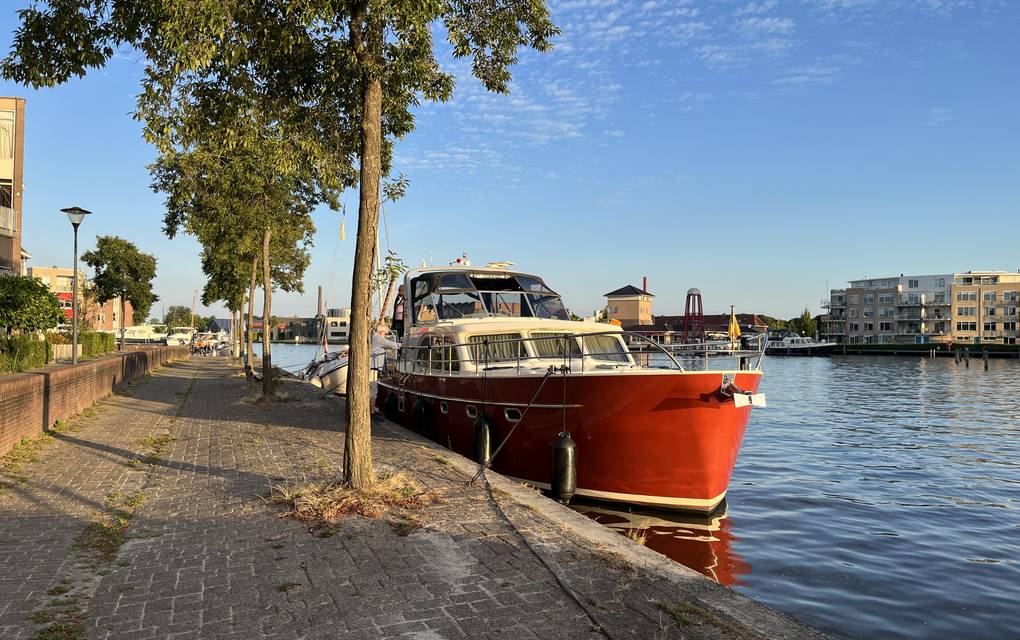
31	402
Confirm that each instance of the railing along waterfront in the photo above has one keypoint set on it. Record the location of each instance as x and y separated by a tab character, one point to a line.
570	352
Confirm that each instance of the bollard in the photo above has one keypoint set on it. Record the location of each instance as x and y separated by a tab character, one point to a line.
966	356
564	471
957	354
984	356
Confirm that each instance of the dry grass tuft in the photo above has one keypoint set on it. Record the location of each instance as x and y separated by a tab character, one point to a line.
638	535
329	502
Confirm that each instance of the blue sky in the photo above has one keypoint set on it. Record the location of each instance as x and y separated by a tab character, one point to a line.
757	150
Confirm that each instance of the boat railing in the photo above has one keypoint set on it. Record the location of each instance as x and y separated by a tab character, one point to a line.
576	352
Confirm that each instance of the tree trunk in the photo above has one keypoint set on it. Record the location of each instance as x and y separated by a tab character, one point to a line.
358	471
249	377
267	299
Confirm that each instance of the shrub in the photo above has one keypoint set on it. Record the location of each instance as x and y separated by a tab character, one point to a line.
96	343
19	353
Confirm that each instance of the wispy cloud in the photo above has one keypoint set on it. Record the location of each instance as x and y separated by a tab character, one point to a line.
938	115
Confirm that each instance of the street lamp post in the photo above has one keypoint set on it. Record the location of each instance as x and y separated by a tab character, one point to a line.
75	215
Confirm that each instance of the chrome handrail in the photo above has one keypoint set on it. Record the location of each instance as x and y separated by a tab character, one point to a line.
480	353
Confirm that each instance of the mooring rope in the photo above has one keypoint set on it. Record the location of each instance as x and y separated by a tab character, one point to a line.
524	413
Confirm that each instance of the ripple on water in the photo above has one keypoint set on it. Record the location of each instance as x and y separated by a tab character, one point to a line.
874	497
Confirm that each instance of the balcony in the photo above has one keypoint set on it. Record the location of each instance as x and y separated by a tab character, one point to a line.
8	222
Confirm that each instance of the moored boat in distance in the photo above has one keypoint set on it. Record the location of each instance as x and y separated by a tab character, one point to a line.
489	354
787	343
180	336
145	334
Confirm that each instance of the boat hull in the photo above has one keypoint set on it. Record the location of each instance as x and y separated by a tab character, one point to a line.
667	440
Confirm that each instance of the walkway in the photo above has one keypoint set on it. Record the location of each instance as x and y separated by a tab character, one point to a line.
179	464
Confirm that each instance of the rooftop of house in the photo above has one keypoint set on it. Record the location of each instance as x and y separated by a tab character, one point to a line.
629	290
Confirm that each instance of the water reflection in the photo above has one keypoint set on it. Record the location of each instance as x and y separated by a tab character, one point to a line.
703	543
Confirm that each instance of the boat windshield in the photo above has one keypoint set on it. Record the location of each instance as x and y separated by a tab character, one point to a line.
465	294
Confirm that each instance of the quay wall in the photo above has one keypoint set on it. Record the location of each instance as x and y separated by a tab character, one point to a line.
32	402
925	350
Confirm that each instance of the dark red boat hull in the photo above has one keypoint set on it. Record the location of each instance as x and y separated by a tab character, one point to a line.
668	440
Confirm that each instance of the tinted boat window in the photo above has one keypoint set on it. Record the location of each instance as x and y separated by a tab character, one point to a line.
554	345
455	281
605	348
460	305
497	347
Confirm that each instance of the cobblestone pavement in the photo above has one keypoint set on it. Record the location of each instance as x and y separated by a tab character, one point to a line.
207	557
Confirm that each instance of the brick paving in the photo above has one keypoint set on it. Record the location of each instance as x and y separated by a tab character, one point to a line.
207	556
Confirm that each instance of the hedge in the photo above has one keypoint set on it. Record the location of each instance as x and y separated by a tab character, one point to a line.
19	353
96	343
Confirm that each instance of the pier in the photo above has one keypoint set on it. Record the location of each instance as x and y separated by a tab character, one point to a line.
147	517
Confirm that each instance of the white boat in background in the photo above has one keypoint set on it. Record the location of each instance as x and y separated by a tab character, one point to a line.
180	336
145	334
328	372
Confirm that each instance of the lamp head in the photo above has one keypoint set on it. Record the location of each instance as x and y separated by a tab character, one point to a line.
76	215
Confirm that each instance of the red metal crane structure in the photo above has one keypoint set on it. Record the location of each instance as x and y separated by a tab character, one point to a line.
694	318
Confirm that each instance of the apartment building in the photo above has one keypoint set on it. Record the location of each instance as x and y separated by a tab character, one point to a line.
100	317
984	307
897	309
338	325
973	307
12	167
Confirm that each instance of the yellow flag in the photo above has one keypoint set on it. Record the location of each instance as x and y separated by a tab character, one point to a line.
734	329
343	232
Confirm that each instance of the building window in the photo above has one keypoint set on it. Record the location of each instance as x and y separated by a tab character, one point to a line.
885	326
7	135
854	299
1009	326
869	298
854	326
869	326
1009	311
853	313
966	326
989	311
966	296
885	312
989	326
989	296
1009	296
941	282
869	313
911	284
966	311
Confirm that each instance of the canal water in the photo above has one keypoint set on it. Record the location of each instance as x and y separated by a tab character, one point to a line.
874	497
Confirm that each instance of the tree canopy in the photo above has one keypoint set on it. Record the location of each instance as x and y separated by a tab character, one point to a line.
338	81
27	305
122	271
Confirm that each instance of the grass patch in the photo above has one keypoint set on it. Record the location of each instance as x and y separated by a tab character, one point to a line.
639	536
58	590
678	612
27	450
42	617
63	630
441	459
105	534
395	496
157	446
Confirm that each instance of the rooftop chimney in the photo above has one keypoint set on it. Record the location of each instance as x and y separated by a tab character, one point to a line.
644	284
